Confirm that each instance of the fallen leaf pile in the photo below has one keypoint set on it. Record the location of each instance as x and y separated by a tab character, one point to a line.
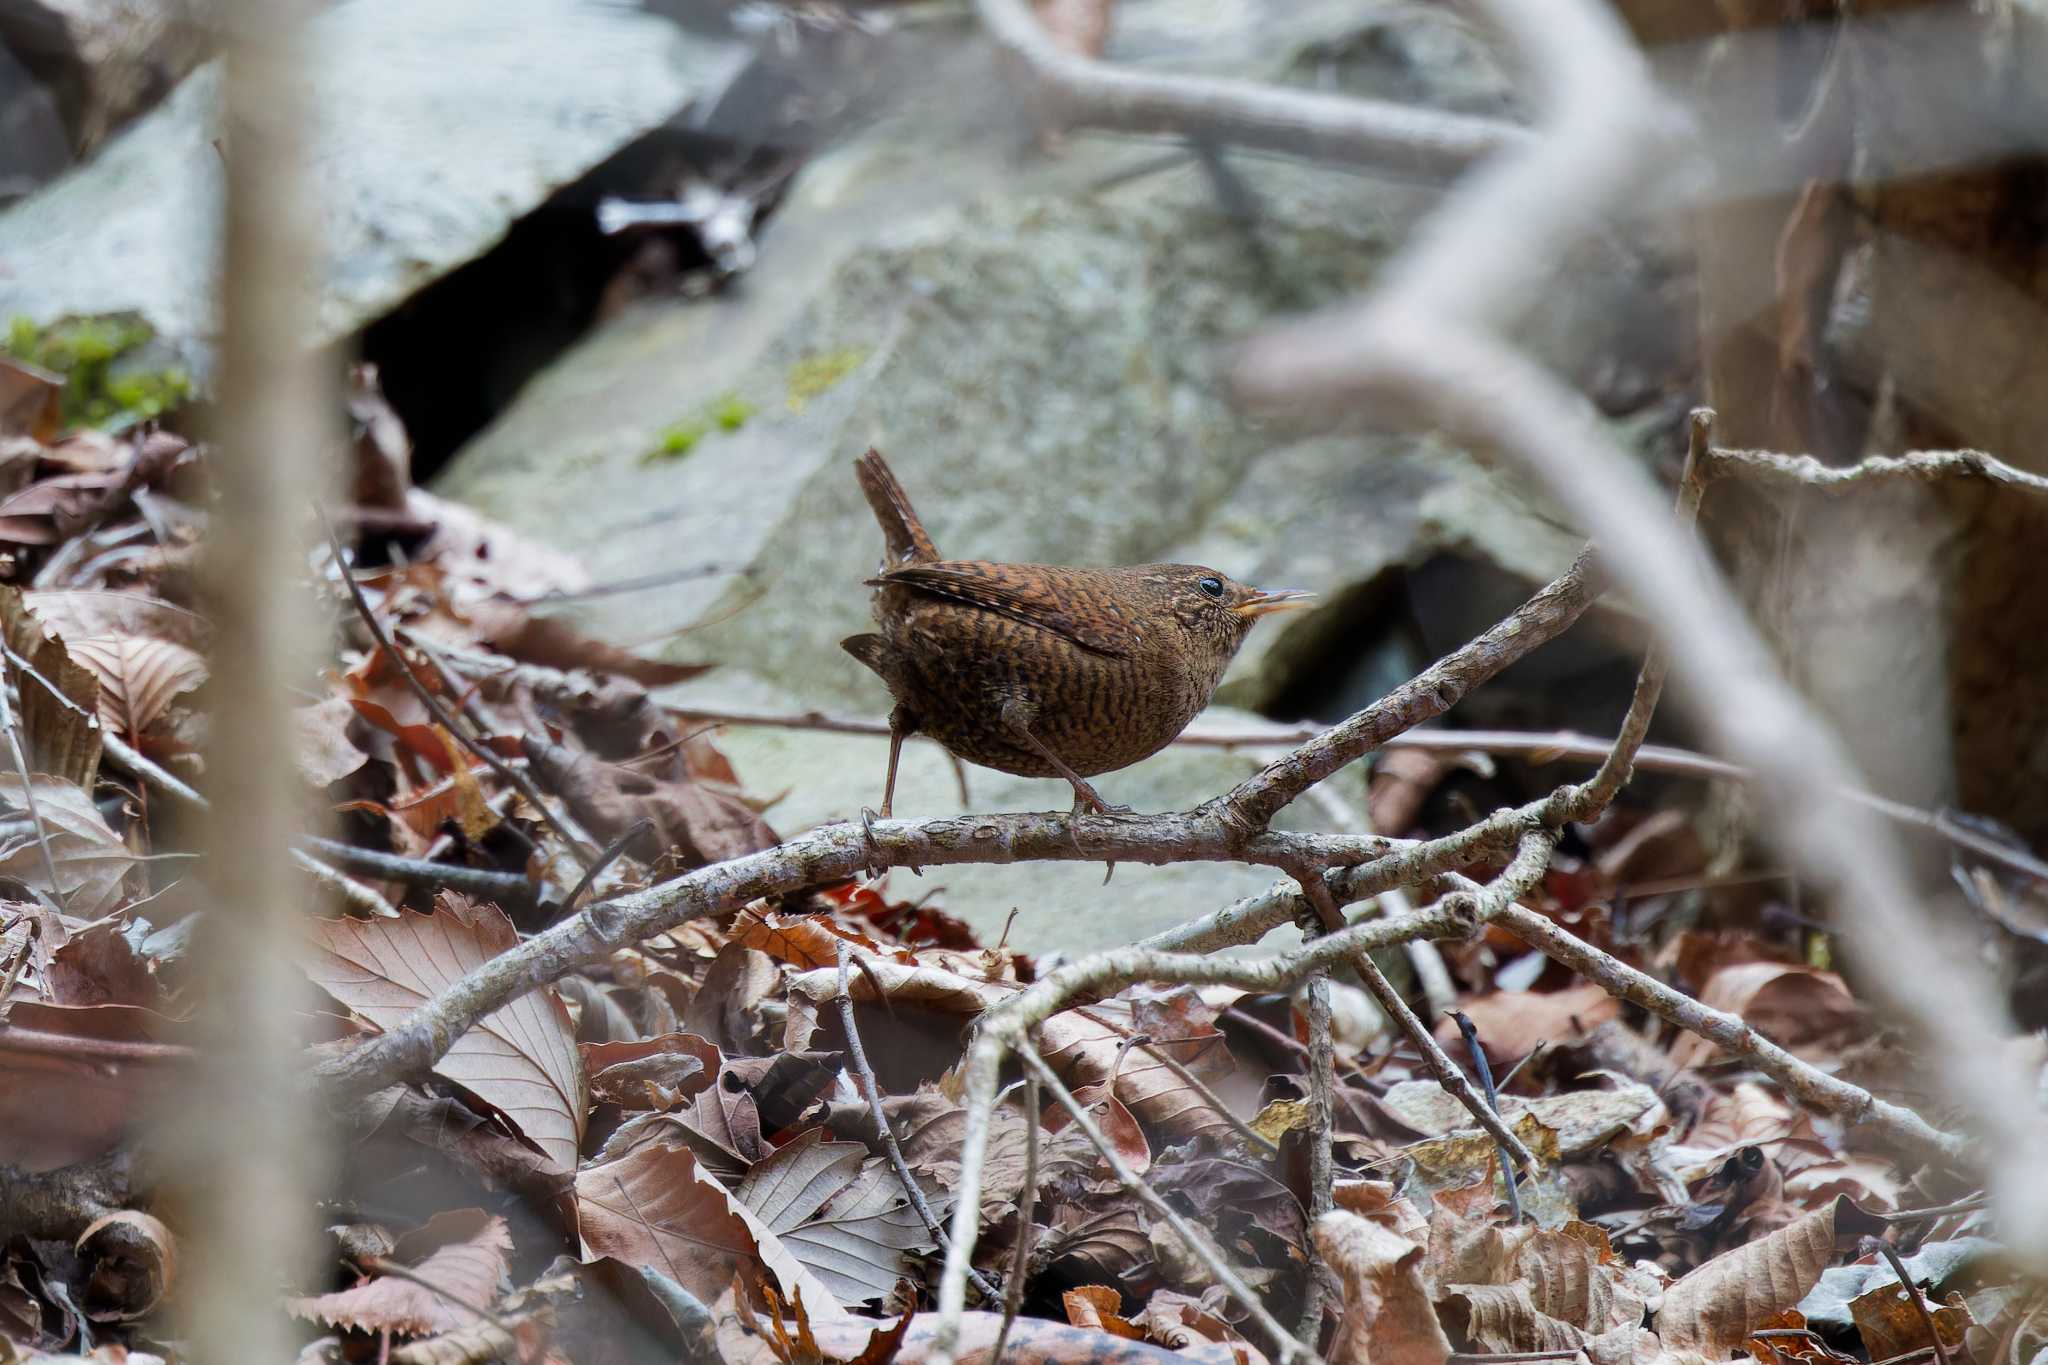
673	1154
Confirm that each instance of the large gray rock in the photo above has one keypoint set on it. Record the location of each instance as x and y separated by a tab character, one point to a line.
436	126
1040	343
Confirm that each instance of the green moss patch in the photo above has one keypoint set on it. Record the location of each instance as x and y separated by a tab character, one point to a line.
108	380
814	376
727	412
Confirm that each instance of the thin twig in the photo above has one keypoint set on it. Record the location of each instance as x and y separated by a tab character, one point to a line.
156	775
1485	1070
605	858
438	709
506	888
1772	469
864	1079
1911	1291
1976	1203
1448	1074
1027	1208
28	790
1252	804
348	888
1198	1242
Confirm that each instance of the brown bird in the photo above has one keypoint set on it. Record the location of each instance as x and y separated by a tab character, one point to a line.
1040	670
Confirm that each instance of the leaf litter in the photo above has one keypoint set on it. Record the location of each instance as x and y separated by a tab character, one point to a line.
670	1155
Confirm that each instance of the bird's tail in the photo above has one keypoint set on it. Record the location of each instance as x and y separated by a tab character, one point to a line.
902	532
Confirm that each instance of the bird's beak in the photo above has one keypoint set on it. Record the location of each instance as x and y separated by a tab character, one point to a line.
1265	601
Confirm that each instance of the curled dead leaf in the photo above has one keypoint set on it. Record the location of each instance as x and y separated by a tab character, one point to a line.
135	1263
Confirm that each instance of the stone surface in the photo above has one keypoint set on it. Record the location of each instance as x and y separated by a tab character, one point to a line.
437	125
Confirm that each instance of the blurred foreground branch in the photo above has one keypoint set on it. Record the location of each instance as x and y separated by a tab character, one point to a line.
1074	91
1424	346
246	1153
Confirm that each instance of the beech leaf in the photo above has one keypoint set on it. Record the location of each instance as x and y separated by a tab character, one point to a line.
521	1060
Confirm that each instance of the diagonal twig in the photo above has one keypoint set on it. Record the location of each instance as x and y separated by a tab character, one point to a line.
870	1090
1198	1242
439	709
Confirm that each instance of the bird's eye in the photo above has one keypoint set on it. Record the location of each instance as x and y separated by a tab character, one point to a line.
1212	586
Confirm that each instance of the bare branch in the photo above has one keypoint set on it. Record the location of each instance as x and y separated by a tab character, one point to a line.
1076	92
1423	345
1253	803
245	1152
1917	466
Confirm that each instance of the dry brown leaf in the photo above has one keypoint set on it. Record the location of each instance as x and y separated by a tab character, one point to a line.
320	739
1745	1116
513	629
99	966
30	401
65	1098
1582	1120
520	1060
1281	1117
1510	1023
1098	1306
1380	1201
807	942
88	613
1191	1326
58	731
699	822
651	1073
139	677
656	1207
467	1268
91	860
1808	1012
1387	1317
1504	1318
136	1265
860	1243
1713	1310
1893	1321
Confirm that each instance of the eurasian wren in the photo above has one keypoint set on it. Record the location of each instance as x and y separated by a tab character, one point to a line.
1040	670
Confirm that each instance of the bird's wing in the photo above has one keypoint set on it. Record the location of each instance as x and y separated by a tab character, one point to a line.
1089	617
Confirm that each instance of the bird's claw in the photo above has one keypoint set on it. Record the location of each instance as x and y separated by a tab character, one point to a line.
873	849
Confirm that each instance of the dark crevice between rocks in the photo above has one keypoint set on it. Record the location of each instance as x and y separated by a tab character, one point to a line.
1375	635
454	355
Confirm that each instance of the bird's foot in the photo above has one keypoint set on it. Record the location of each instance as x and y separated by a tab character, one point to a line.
873	849
876	864
1088	801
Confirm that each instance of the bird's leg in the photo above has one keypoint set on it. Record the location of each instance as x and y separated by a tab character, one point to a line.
1017	717
901	722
